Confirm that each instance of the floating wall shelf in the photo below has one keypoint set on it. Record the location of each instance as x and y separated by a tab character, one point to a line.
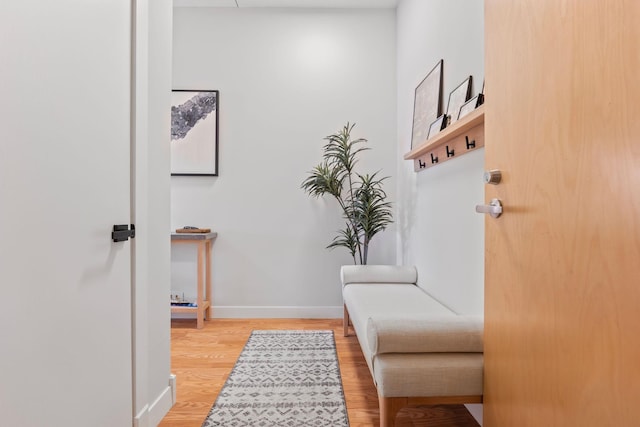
464	136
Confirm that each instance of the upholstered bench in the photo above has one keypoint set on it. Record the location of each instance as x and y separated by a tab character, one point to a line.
419	352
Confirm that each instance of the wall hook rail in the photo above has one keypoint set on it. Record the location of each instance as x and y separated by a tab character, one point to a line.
462	137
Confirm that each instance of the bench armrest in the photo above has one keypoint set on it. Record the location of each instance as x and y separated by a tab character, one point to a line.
378	274
425	334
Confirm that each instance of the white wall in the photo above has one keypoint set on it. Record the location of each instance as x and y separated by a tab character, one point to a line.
287	78
439	230
153	396
160	40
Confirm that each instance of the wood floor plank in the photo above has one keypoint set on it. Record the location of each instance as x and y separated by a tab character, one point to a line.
203	358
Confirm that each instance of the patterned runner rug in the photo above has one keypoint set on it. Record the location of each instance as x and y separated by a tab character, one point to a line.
283	378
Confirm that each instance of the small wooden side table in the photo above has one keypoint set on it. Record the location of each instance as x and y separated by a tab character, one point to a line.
204	242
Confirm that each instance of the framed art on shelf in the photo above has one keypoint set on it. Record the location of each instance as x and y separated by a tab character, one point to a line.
458	97
439	124
471	105
427	105
194	132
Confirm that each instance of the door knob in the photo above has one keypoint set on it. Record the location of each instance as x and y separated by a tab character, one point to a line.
493	176
494	208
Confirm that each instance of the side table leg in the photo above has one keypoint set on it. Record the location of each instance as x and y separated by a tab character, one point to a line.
207	314
200	310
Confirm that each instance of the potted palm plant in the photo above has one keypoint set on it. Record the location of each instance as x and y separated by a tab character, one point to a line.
361	197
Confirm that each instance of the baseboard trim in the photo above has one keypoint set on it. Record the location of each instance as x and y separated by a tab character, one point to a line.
161	406
174	389
142	419
476	411
271	312
151	416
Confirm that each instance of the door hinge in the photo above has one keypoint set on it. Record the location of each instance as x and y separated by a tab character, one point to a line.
121	233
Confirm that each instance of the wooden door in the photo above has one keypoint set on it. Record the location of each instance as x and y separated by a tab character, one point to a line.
65	316
562	304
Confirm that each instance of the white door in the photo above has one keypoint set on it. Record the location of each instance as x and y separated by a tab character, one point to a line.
65	287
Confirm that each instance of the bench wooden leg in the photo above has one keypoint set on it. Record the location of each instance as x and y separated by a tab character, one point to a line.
389	408
345	322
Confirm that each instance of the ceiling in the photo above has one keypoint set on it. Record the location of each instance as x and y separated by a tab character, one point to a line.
344	4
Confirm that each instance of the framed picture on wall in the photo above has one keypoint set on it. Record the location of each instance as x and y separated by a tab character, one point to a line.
458	97
427	104
194	132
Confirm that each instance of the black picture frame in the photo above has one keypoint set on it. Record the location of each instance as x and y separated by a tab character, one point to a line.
427	104
458	97
194	132
437	125
471	105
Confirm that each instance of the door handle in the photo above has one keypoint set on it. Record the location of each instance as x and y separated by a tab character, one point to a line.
494	208
121	233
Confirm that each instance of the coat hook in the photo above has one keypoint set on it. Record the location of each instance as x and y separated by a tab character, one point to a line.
450	153
470	144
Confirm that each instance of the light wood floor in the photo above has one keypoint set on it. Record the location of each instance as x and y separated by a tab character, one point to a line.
203	358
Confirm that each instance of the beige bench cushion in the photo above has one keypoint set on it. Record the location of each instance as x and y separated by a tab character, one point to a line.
365	300
424	333
428	374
